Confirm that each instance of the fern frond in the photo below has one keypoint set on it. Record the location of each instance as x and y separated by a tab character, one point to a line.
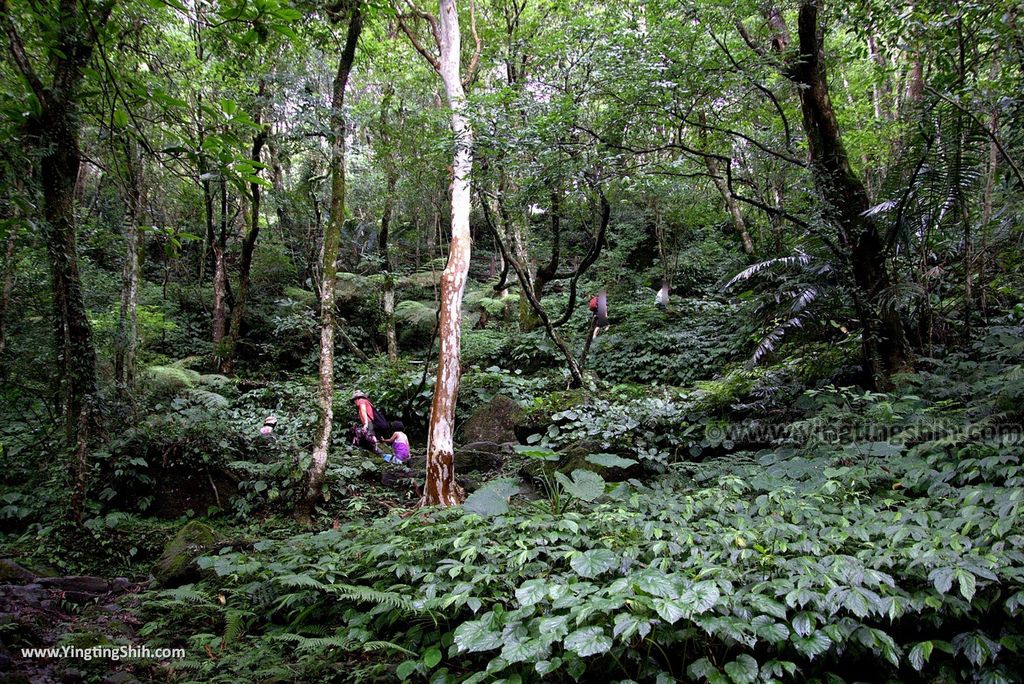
390	599
388	646
799	259
209	400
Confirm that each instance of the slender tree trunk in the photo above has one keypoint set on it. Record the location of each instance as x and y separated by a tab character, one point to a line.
245	265
5	295
328	276
388	296
441	488
530	295
715	171
128	319
220	274
885	348
731	204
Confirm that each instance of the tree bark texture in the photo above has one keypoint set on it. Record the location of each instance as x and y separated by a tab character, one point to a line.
441	488
328	276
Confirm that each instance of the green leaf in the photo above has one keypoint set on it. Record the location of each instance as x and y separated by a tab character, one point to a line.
968	583
803	623
532	592
432	657
120	118
610	461
405	669
537	452
588	641
475	636
701	669
920	654
743	670
492	498
584	484
527	650
942	578
670	610
229	107
813	645
656	583
701	597
594	562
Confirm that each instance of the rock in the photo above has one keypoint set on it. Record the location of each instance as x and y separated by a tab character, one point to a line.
177	563
77	584
26	594
495	422
538	417
72	676
481	456
120	585
12	573
120	678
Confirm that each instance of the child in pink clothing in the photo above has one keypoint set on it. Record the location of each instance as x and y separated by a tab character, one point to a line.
400	445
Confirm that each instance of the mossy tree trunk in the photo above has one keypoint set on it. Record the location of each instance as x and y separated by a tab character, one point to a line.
328	276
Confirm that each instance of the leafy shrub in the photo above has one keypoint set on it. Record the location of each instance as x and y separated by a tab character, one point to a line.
643	345
743	572
483	347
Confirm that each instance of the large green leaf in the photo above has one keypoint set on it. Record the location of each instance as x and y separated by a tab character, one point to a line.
492	498
743	670
610	461
476	635
584	484
588	641
531	592
594	562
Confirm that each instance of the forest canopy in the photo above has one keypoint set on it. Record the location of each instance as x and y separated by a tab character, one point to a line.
511	340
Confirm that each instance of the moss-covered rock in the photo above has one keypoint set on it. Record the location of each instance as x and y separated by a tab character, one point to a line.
481	456
12	573
177	563
537	417
494	422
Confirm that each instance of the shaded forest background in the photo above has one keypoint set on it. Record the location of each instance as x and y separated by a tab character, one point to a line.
807	462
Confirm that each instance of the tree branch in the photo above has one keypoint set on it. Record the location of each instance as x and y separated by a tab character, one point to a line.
18	55
475	59
417	13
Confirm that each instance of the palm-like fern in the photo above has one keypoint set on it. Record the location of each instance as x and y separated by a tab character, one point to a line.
803	280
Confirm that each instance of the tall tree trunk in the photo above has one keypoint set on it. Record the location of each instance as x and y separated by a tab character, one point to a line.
441	488
5	295
715	171
58	131
388	296
885	348
128	318
220	273
76	352
328	276
230	345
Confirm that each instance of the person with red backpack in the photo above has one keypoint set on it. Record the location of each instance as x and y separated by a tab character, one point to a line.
599	307
371	424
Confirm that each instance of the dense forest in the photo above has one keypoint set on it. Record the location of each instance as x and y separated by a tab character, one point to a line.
511	340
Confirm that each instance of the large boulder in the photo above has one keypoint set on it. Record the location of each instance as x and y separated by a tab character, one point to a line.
177	564
481	456
538	417
494	422
12	573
